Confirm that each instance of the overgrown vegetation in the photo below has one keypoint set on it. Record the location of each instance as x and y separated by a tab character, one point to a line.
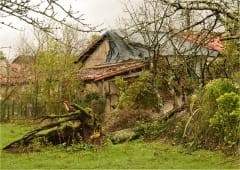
210	107
226	119
210	113
212	120
137	103
95	101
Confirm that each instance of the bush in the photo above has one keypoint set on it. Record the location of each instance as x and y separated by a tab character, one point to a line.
225	122
152	130
214	120
212	91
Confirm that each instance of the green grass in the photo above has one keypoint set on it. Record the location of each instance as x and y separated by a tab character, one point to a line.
133	155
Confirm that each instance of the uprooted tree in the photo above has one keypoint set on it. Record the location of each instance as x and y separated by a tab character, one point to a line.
80	125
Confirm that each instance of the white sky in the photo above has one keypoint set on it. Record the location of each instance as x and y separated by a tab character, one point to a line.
95	12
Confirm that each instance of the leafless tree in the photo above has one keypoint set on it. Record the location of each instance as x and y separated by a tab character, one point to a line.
150	24
224	15
226	11
37	12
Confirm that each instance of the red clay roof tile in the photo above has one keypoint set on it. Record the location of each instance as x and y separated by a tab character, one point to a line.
106	71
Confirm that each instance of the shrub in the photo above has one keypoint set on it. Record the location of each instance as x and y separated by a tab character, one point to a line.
128	118
152	130
225	122
212	91
214	120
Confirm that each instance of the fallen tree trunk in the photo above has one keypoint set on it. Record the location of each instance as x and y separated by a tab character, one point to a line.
125	135
60	131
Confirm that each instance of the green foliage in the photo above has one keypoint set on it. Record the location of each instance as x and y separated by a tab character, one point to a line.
152	130
93	96
212	91
128	118
136	94
236	78
225	122
214	119
228	64
54	80
218	69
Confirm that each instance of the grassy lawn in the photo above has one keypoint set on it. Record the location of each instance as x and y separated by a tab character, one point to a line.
133	155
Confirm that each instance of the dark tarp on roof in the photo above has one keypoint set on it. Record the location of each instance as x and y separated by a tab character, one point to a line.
121	50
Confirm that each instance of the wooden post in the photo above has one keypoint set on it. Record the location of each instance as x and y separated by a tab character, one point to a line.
13	105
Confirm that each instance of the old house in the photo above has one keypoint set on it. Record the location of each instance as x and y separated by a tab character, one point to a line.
111	55
107	57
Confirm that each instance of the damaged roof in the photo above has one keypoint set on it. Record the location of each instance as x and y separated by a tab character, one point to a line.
185	43
120	49
125	56
210	41
109	70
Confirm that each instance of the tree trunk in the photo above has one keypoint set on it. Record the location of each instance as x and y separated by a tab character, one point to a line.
153	70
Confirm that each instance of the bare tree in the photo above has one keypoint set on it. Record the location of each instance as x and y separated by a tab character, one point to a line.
37	12
224	15
226	11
